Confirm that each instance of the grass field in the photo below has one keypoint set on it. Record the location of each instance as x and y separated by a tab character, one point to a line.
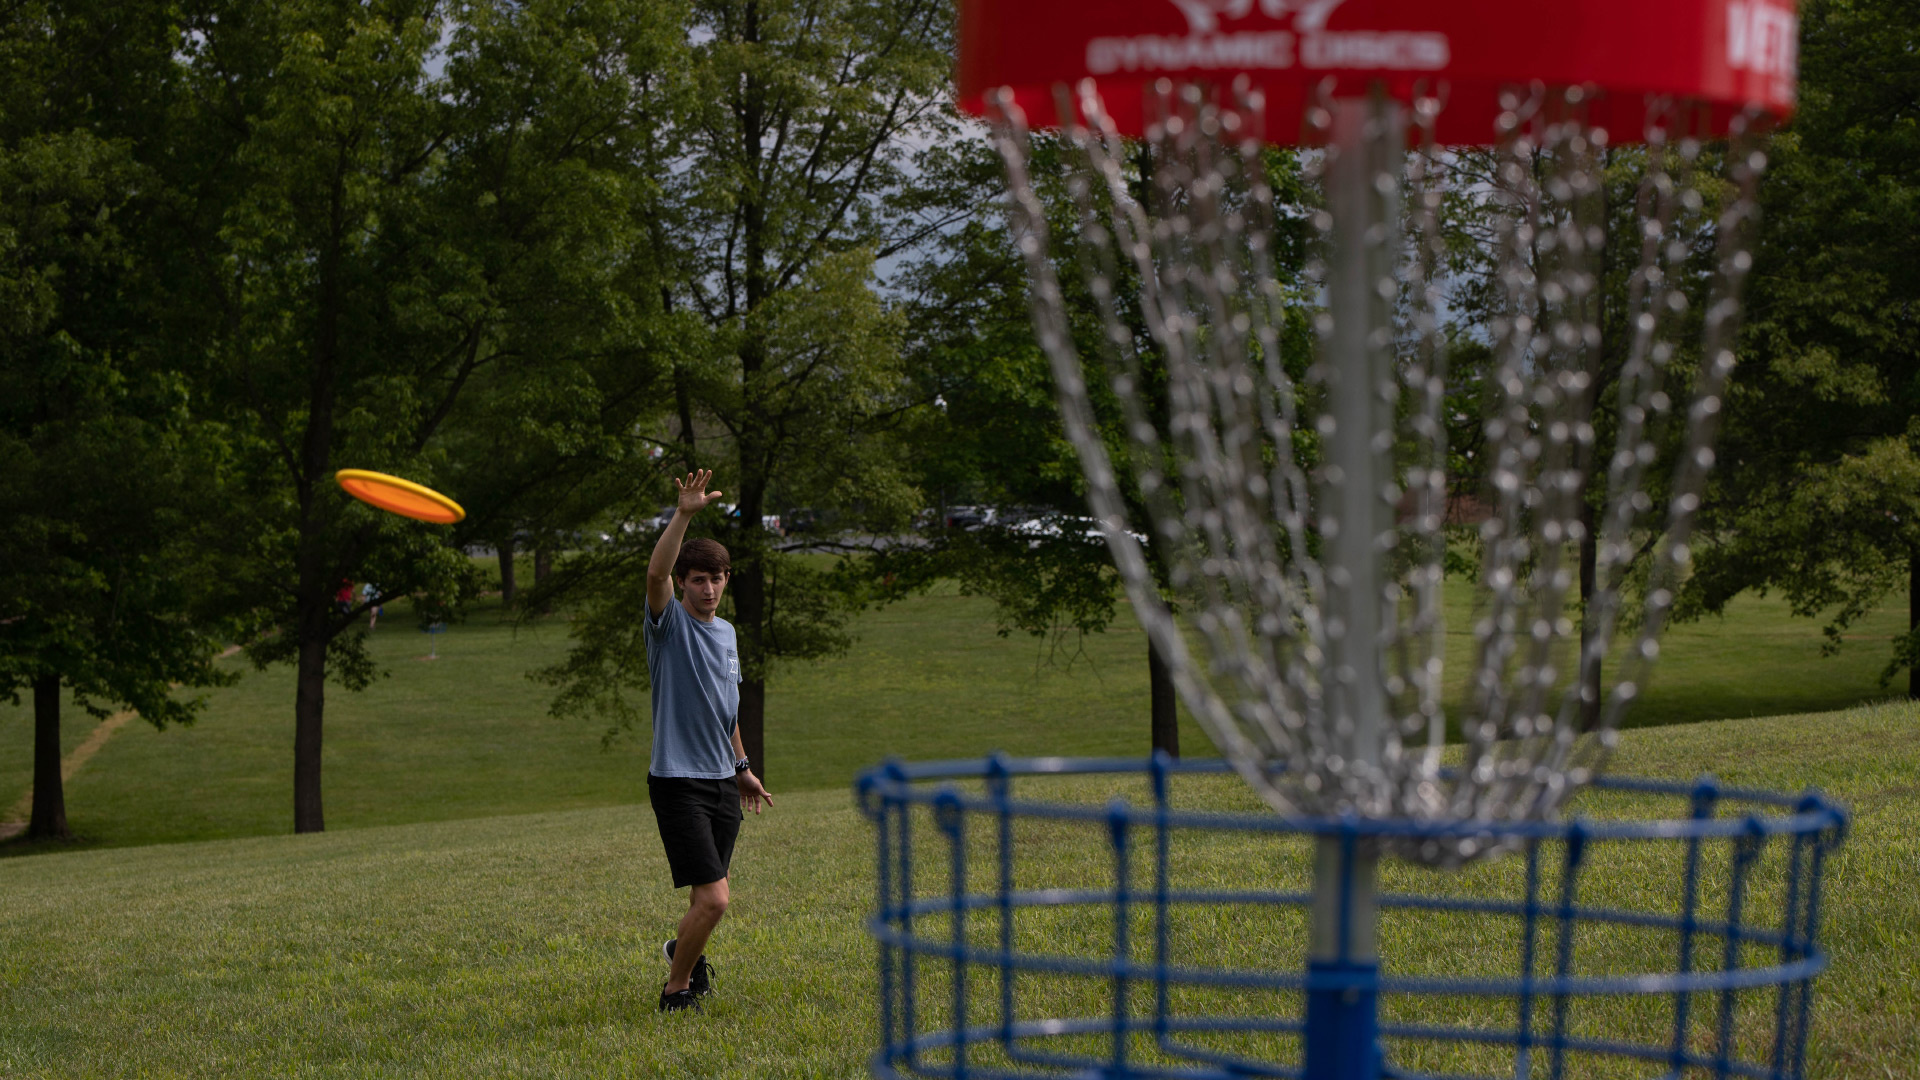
490	896
526	946
467	735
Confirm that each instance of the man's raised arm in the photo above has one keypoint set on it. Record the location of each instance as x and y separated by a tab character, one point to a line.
694	497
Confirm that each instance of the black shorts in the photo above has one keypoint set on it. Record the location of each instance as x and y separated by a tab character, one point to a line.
699	821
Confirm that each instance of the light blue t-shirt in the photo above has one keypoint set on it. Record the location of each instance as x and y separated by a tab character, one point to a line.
695	670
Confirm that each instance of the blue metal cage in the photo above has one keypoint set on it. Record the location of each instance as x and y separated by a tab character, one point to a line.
1000	958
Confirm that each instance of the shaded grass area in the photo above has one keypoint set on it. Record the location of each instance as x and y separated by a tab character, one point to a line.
468	735
527	946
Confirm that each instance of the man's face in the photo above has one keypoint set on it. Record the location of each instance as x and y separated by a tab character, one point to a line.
702	589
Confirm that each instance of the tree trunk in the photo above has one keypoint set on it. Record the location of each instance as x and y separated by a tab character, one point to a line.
49	819
542	566
1605	374
748	586
748	582
683	406
1166	722
505	548
309	703
753	724
319	578
682	394
1913	615
1589	568
1163	701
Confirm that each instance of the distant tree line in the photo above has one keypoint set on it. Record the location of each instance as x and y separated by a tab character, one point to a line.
533	253
541	253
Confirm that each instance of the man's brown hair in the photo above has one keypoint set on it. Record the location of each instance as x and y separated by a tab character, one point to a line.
702	554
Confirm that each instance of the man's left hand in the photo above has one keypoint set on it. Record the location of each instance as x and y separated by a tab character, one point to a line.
752	792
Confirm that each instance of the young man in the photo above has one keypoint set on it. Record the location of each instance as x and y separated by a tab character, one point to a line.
698	782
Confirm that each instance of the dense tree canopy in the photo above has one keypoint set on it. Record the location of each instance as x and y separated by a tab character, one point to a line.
400	221
539	252
1819	492
996	436
792	126
104	471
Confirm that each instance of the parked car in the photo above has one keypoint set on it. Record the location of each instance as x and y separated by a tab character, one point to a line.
971	517
1070	526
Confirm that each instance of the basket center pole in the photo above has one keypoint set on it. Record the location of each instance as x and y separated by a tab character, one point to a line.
1341	1021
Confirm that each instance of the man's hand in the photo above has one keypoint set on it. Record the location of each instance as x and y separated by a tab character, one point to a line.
694	496
752	793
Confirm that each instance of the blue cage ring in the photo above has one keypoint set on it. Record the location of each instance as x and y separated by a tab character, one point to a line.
1032	923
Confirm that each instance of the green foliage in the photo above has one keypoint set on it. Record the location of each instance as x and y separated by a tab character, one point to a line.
995	436
352	312
400	235
992	434
104	474
1819	491
604	675
1040	584
782	135
551	439
811	601
415	269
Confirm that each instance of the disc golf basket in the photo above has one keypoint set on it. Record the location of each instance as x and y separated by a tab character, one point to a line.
1297	517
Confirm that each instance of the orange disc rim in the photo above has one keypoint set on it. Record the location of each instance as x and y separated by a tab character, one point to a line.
397	496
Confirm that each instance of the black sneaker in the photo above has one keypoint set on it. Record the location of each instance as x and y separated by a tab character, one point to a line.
701	981
679	1000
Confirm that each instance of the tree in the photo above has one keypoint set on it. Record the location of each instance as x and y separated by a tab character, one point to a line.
996	435
101	465
371	240
1483	202
1818	494
550	451
796	121
992	434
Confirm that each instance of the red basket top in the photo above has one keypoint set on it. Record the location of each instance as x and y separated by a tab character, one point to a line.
1719	56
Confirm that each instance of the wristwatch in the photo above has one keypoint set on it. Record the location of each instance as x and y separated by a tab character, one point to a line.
741	766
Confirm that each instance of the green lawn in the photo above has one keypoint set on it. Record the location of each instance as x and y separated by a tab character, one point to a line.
467	735
526	946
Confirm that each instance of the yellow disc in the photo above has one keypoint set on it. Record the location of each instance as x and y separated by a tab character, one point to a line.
403	497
